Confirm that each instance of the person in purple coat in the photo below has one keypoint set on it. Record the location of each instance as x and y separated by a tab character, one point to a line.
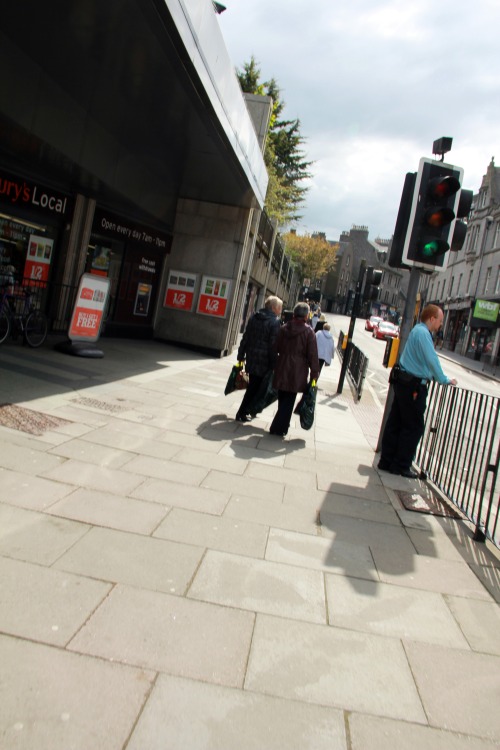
296	364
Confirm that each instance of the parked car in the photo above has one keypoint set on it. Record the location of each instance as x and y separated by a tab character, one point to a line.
371	322
385	330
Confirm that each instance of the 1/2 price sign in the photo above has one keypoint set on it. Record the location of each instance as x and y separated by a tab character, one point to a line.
214	296
180	290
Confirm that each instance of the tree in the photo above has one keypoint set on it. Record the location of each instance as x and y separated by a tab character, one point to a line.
285	160
313	254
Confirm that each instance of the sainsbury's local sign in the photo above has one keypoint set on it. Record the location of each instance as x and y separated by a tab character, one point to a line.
16	191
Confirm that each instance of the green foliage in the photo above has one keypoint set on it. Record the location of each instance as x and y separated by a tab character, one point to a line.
313	254
285	159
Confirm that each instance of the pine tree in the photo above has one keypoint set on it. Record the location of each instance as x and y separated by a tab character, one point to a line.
285	159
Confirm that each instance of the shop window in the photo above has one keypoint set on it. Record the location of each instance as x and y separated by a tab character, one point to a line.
26	249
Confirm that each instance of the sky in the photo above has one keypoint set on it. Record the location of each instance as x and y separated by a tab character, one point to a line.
374	84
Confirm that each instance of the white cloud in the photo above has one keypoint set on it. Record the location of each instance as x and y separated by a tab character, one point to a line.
374	83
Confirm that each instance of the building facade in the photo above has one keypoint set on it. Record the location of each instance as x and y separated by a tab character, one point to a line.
340	286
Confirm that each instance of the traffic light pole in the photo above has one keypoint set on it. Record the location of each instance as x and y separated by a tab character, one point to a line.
355	312
404	332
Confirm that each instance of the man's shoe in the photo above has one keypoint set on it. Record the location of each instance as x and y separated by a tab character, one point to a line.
242	418
383	465
407	473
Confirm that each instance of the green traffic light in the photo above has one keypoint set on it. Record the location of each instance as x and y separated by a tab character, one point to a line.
434	247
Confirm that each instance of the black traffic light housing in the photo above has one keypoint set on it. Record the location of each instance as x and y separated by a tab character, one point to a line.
395	259
435	206
371	290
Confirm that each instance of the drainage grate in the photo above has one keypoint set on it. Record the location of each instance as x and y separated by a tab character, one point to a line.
27	420
430	504
94	403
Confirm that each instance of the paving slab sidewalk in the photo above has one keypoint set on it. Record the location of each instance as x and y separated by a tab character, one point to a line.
171	578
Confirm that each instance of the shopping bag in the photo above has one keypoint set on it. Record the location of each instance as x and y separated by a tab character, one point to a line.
237	380
265	396
307	406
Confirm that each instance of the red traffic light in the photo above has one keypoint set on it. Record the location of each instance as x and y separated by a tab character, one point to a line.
440	188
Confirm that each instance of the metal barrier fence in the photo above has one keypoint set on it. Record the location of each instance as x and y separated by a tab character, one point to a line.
357	367
460	454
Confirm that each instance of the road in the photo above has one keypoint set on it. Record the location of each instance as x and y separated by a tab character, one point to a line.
377	376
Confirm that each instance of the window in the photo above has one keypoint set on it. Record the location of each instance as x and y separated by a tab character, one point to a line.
496	239
474	238
347	261
452	281
469	285
488	279
483	195
459	284
497	285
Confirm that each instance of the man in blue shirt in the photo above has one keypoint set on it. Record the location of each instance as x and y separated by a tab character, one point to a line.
419	364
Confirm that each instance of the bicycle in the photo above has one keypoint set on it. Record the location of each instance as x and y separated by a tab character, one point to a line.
18	314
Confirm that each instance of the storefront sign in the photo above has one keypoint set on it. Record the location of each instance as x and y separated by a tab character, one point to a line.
484	310
214	295
180	290
37	265
89	308
18	192
121	228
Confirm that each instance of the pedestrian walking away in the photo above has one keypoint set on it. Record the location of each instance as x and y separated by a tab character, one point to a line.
257	350
326	346
419	364
296	364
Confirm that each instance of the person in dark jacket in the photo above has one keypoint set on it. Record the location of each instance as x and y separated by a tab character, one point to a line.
297	359
257	350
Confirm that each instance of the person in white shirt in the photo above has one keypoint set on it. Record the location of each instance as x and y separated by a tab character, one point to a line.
326	346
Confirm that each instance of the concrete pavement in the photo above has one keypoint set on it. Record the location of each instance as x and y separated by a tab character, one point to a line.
171	578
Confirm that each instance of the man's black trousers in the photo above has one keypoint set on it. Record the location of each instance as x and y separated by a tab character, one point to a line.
404	427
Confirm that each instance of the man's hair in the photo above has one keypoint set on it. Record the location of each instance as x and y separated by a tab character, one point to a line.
273	303
301	310
429	311
326	327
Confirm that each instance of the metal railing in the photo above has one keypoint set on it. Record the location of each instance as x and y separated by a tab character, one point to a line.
460	454
357	365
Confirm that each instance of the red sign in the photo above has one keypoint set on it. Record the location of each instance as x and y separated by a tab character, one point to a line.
181	300
36	271
89	308
214	296
209	305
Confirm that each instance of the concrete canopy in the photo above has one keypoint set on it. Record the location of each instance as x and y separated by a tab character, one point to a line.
131	101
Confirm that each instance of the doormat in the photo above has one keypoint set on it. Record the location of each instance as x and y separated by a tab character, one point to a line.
430	504
27	420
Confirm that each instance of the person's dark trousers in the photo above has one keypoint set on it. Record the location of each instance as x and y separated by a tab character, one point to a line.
281	421
321	363
254	382
404	427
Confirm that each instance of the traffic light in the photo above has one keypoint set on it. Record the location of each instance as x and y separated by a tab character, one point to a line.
435	206
373	278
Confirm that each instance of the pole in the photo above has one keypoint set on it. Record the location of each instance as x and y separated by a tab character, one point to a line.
355	312
404	332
